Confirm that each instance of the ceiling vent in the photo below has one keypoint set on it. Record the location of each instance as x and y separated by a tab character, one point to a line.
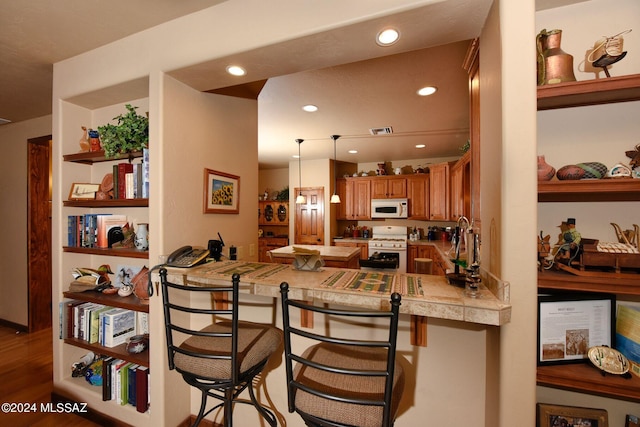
381	131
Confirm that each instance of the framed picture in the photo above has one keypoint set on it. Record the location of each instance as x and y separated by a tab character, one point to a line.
632	421
570	416
81	191
221	192
568	324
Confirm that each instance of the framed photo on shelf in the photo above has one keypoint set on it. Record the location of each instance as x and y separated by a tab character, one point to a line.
82	191
632	421
570	323
569	416
221	192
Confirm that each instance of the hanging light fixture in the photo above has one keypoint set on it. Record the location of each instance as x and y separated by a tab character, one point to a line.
300	199
335	198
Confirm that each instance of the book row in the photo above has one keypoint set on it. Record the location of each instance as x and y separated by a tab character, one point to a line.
131	180
125	383
100	324
93	230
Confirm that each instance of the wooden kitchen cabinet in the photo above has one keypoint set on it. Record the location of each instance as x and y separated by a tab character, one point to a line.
356	196
364	247
388	187
266	244
461	188
418	196
273	213
439	192
439	265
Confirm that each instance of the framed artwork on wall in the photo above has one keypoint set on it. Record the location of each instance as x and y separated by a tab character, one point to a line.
568	416
221	192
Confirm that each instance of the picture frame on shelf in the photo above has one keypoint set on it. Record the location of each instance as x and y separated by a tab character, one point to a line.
83	191
632	421
565	416
570	323
221	192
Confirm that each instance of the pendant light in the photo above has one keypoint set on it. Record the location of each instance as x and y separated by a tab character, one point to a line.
335	198
300	200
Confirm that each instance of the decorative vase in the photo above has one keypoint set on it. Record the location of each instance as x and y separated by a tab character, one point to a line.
94	140
554	64
84	141
545	170
142	237
141	285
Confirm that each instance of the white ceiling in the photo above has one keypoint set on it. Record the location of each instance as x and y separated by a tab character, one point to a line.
34	34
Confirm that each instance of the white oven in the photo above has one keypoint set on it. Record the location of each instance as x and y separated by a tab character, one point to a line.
387	250
390	208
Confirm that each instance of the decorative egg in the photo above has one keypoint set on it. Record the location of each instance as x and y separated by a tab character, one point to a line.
593	170
570	172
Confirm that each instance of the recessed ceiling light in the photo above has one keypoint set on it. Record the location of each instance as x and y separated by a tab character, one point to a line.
310	108
295	156
427	90
387	37
420	146
353	151
236	70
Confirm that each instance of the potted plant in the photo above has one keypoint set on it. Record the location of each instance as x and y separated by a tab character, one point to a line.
131	133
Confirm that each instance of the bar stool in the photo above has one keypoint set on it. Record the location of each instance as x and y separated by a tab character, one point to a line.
423	265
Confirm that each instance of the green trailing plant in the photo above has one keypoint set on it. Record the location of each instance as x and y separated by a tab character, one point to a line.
131	133
283	195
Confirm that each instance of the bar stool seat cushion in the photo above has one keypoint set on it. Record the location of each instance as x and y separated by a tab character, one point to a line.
255	343
349	386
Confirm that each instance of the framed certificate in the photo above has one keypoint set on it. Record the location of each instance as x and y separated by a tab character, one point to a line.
570	323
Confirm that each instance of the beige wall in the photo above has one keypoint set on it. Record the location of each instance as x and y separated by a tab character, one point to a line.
13	212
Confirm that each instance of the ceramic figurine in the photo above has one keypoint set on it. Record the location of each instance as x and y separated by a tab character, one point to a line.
84	141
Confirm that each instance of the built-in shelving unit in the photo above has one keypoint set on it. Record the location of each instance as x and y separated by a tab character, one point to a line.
583	377
92	167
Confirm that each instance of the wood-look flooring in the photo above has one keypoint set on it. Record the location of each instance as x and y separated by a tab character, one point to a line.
26	376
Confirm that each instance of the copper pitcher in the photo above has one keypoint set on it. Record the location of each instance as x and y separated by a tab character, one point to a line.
554	65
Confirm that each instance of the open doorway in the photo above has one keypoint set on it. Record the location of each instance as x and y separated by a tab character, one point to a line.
39	188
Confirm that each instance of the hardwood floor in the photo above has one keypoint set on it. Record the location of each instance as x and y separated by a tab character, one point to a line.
26	377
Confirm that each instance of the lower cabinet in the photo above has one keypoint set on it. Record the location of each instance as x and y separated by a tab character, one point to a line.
364	247
266	244
439	266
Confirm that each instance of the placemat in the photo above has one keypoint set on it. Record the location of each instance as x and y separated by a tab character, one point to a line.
356	281
253	270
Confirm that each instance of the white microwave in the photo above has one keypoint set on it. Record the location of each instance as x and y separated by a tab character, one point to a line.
389	208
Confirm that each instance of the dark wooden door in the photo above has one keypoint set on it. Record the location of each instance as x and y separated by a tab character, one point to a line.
39	233
309	221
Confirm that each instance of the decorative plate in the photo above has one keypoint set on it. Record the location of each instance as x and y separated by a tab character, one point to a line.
609	360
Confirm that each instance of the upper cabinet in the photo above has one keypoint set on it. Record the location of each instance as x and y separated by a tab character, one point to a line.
471	64
355	194
388	187
440	192
418	195
461	188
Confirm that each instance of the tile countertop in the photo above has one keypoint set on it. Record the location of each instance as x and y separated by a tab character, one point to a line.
422	295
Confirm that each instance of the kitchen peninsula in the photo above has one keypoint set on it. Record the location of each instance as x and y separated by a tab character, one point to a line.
333	256
422	295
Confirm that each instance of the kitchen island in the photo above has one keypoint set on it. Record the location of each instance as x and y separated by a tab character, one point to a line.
422	295
333	256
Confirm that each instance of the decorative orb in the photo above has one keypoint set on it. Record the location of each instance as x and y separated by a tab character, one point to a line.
593	170
570	172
